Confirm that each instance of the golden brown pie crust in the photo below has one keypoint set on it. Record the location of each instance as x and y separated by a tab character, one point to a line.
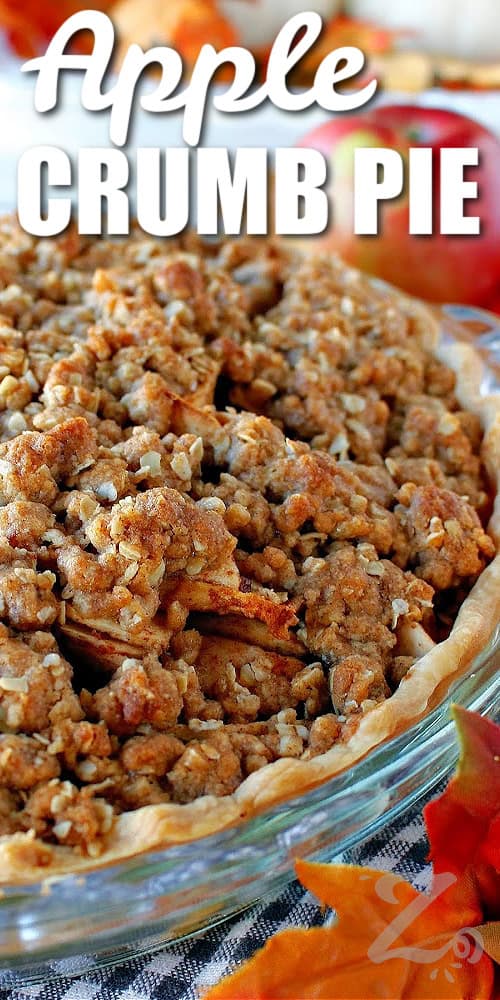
25	858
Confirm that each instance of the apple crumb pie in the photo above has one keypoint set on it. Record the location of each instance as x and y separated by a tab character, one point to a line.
244	498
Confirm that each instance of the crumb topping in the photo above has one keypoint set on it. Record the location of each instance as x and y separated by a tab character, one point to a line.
233	481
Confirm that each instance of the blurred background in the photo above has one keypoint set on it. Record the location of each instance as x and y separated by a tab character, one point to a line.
429	55
414	44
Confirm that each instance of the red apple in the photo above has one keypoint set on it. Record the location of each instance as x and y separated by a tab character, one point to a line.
440	268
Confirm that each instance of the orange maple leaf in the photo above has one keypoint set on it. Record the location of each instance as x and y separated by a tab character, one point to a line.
30	25
463	824
389	941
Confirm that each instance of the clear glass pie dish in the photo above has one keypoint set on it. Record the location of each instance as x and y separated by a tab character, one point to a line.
141	903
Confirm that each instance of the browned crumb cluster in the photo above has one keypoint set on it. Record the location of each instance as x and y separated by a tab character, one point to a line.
231	480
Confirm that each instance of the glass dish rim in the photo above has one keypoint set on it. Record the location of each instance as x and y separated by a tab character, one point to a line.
380	761
36	913
51	900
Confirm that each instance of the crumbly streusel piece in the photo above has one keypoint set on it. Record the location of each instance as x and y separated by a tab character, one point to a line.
35	683
354	606
447	541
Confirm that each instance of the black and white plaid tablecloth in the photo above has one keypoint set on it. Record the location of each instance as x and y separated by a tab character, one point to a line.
182	971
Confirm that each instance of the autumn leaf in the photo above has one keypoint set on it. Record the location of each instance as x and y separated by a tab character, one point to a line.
463	824
490	937
184	24
389	941
30	25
